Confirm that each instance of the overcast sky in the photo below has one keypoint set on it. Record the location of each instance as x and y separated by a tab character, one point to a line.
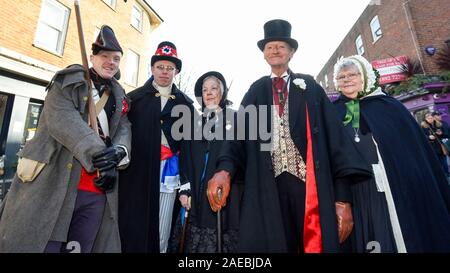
221	35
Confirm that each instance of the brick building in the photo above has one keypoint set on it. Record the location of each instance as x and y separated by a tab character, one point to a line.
40	37
390	30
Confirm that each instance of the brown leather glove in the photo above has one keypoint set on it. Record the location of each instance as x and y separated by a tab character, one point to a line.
220	180
344	219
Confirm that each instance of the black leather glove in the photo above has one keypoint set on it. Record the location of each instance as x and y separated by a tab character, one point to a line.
108	158
107	179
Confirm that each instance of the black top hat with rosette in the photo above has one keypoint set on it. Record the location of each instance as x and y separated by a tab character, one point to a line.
277	30
167	51
106	40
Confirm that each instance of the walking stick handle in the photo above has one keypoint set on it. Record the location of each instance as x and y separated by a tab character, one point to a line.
184	228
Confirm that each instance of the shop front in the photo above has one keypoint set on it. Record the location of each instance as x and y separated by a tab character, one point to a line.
21	102
429	99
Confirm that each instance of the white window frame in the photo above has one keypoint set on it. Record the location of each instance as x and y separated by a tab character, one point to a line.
325	78
44	23
375	27
132	68
111	3
359	45
139	20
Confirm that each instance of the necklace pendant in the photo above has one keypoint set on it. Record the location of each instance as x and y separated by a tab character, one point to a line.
357	139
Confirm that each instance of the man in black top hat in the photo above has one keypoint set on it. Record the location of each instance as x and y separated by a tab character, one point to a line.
64	196
149	185
296	196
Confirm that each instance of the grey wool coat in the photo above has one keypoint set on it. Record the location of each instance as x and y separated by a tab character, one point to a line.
35	212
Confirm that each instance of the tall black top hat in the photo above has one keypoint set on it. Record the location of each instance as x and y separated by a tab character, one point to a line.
106	40
167	51
277	30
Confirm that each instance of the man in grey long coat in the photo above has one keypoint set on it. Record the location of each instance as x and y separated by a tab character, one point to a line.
64	194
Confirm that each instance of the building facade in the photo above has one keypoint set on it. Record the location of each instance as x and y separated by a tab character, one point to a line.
40	37
395	34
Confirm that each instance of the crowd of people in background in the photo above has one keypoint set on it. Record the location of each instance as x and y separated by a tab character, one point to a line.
437	133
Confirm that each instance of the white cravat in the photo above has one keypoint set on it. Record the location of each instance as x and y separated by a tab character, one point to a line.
165	93
285	76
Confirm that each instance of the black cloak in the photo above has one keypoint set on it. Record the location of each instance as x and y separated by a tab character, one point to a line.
419	187
139	184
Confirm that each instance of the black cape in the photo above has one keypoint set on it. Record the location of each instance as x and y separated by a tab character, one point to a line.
336	163
139	184
202	227
418	184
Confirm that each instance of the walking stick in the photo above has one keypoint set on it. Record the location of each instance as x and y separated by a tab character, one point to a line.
91	105
184	230
219	225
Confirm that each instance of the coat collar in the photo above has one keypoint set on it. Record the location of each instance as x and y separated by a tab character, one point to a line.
296	102
119	97
73	74
297	97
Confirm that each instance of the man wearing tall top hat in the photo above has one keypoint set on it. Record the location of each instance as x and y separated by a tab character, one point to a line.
64	195
296	196
149	186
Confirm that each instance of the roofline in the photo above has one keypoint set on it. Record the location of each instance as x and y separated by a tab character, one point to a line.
148	5
343	39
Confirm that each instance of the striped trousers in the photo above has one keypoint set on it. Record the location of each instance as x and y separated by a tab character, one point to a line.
166	202
167	196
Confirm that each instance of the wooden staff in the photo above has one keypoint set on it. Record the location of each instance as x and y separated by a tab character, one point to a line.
219	225
90	102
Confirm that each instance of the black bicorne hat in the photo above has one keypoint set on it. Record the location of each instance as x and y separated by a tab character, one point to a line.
106	40
277	30
167	51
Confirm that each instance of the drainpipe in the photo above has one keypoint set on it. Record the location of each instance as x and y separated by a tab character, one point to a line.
412	31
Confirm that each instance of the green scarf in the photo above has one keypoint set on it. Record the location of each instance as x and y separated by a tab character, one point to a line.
352	114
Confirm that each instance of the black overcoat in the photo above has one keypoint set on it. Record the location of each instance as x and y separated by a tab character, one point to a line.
139	183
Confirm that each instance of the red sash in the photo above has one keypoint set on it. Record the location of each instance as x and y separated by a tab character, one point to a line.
165	152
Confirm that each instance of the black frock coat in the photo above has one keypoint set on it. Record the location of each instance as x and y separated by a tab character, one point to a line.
139	184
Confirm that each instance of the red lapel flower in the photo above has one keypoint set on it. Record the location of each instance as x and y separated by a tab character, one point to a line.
124	106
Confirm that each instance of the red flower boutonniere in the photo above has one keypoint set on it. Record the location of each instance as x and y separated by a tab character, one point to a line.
125	106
